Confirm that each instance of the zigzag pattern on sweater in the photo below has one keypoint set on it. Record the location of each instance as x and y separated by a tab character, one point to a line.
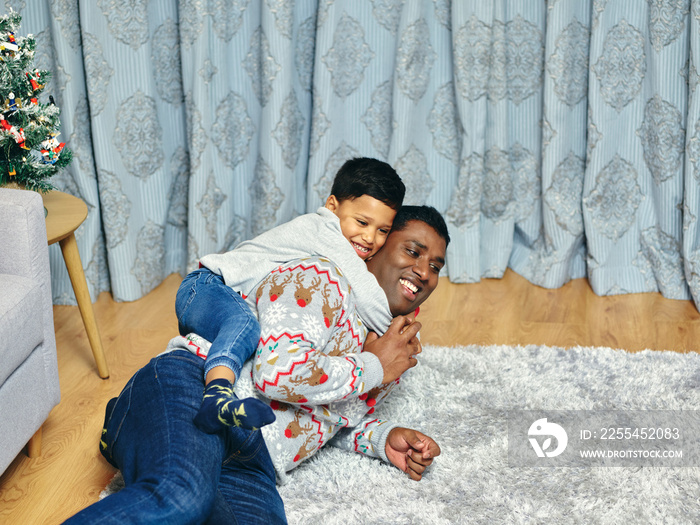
276	378
294	364
262	386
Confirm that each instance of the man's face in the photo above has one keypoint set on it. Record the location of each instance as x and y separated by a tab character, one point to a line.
408	266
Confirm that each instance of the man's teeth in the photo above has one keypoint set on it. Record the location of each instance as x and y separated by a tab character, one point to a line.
409	285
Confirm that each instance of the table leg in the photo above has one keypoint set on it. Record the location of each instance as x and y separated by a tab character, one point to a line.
71	256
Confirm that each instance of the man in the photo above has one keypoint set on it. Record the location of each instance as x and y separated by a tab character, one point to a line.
315	366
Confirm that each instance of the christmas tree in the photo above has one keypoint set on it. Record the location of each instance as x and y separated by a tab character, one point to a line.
30	152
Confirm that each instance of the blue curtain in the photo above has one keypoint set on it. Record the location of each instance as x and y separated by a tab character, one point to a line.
560	139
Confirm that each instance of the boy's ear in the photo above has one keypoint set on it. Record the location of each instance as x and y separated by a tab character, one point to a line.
332	203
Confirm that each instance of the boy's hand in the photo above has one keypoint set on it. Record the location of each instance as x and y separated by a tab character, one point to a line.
397	348
411	451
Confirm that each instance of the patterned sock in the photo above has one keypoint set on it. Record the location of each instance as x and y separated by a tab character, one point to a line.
221	409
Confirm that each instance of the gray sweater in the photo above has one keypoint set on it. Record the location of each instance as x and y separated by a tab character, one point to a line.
312	234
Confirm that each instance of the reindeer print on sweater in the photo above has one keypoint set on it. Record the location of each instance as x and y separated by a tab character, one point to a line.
309	361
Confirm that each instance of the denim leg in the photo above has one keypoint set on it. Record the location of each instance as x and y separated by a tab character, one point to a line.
248	486
208	307
171	469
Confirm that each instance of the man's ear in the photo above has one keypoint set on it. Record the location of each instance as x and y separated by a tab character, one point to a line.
332	203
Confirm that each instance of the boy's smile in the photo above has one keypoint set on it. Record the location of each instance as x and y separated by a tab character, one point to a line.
364	221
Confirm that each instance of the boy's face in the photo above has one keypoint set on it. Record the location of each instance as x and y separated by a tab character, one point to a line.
364	221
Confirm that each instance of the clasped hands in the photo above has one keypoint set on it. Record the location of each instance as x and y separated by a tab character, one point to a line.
397	348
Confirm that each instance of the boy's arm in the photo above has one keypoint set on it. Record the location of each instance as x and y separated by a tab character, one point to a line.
312	234
301	306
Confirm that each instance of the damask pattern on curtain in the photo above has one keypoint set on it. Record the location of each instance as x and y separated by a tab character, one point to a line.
558	138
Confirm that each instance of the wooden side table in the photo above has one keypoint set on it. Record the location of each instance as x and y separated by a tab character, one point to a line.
65	214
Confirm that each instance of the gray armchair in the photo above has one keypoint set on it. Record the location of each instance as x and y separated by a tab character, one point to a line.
28	367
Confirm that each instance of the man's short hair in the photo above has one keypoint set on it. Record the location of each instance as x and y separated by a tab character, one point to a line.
364	176
426	214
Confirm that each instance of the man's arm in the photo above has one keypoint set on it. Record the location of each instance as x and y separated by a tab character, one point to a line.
368	438
409	450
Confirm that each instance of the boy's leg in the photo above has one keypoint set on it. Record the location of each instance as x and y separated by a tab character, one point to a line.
208	307
205	305
171	469
221	409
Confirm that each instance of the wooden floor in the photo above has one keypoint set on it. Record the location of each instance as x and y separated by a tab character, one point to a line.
70	473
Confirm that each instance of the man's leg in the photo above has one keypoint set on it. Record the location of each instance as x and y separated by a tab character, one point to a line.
247	486
171	469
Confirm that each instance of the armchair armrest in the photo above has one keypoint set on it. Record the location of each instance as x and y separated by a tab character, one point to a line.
23	242
24	252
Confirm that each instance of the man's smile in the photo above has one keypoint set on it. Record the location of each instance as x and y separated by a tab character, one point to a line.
411	287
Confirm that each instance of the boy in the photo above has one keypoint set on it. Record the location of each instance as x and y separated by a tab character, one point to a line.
211	301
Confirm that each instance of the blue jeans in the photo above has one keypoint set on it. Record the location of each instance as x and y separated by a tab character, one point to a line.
174	472
206	306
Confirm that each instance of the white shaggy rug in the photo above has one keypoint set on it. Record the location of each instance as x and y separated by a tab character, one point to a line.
461	397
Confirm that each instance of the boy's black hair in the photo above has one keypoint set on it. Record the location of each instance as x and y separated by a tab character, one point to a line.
364	176
426	214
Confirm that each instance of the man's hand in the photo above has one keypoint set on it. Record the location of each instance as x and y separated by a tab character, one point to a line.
411	451
397	348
